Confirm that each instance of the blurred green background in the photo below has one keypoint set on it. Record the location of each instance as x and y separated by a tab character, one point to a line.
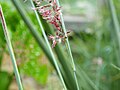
94	43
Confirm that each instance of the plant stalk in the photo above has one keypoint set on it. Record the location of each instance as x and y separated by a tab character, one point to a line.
68	47
49	47
116	24
6	33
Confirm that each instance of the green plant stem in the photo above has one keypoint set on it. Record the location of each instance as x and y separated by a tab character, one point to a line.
10	49
115	67
88	79
65	66
68	46
48	44
116	24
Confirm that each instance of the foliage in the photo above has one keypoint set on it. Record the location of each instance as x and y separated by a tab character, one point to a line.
24	45
5	80
94	48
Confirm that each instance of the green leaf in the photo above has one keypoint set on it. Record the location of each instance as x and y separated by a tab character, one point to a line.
5	80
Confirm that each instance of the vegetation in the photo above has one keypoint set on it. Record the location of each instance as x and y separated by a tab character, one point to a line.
95	47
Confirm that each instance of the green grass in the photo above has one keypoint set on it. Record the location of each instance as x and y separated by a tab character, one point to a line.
95	53
6	33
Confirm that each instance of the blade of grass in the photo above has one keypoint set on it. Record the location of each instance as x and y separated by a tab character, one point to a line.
48	44
88	79
115	67
66	67
116	24
6	33
99	74
68	47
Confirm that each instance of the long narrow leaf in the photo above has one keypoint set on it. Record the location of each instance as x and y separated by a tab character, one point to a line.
116	25
68	46
10	49
49	47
